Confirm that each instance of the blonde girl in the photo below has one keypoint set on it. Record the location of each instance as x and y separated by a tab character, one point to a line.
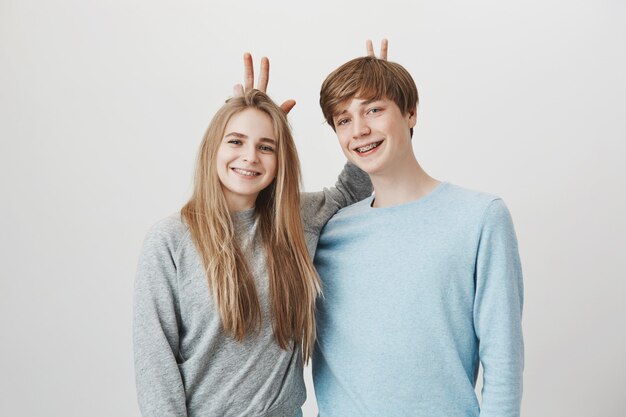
225	291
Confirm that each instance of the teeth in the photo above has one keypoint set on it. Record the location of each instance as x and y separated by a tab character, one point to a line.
368	147
246	173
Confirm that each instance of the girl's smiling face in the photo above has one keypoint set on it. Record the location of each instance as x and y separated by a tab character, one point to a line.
246	158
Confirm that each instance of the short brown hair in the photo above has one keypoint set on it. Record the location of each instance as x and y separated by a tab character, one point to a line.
368	78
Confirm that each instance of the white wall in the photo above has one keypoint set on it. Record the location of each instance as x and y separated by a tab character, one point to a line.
103	104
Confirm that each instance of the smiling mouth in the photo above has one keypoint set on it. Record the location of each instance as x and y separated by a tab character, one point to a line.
246	172
369	147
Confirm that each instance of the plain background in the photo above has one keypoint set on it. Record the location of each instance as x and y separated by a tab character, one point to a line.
103	105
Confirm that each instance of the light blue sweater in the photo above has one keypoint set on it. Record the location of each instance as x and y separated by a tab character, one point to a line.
414	297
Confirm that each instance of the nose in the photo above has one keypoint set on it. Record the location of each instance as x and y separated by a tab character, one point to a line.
359	128
250	153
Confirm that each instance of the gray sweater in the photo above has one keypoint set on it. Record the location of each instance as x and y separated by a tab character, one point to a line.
185	364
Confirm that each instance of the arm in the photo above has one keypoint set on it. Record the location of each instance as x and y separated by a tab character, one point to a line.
160	389
353	185
498	314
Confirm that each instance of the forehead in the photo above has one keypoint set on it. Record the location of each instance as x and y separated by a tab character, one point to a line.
251	122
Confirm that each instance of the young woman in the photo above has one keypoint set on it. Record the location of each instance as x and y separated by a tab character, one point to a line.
225	291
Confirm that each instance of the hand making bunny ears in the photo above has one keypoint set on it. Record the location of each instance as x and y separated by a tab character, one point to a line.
384	47
264	77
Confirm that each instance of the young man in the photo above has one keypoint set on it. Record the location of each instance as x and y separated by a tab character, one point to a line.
422	281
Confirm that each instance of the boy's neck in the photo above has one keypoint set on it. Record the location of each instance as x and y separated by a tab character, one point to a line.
403	184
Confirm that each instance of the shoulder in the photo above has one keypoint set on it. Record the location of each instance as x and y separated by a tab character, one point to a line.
158	264
470	210
476	204
166	234
488	210
171	227
349	217
467	197
355	209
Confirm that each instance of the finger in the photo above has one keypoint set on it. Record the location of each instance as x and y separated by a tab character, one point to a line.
248	71
369	47
264	76
238	90
384	47
287	106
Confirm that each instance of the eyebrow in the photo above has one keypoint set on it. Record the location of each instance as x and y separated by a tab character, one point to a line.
236	134
242	136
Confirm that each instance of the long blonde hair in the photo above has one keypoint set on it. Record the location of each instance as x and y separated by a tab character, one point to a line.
293	282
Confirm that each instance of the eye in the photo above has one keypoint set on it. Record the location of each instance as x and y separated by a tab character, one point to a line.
375	110
266	148
234	141
342	122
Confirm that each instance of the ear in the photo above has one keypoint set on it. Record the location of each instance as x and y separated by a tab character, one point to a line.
412	117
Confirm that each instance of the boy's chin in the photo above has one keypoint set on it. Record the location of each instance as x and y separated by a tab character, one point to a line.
367	168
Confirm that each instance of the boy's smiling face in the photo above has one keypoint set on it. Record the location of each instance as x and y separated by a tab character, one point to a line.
374	134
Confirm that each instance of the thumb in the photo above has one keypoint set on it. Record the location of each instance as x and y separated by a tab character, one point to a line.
287	106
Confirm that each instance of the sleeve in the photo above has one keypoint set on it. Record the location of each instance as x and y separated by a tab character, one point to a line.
156	318
353	185
498	314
